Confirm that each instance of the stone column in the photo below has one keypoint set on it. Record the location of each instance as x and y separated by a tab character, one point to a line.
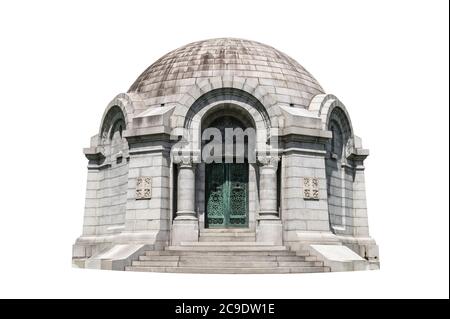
268	186
185	224
367	246
186	190
269	228
360	223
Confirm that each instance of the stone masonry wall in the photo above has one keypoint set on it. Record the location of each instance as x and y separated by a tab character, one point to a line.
298	213
149	214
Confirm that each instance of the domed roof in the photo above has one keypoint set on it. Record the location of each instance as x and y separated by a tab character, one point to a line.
177	71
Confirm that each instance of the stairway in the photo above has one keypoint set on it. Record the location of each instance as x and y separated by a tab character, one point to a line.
227	252
227	235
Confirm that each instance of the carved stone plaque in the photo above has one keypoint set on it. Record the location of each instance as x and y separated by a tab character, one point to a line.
311	188
143	188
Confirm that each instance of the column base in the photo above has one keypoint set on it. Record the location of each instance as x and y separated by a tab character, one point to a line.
269	230
186	215
184	229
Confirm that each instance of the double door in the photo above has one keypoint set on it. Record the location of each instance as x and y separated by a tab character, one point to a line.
226	195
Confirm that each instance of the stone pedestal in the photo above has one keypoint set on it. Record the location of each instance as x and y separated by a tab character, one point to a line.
185	224
184	230
269	231
269	227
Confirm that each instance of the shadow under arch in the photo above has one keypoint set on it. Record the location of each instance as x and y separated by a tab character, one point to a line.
113	119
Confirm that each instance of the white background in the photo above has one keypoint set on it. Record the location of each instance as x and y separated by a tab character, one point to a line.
61	63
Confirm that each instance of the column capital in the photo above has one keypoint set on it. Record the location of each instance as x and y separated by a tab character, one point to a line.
269	160
184	161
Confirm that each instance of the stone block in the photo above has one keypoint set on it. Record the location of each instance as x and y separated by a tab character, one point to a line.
294	203
152	171
313	162
360	212
298	171
295	225
292	182
184	231
90	212
91	194
359	203
90	221
358	222
305	214
316	204
140	161
359	195
138	204
89	230
361	231
317	225
133	173
269	231
339	258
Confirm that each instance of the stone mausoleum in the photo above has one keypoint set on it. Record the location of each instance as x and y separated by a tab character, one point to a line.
293	202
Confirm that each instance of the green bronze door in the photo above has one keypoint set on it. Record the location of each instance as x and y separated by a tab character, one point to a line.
226	195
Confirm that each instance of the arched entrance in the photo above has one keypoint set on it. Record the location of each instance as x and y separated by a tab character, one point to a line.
226	196
227	177
218	113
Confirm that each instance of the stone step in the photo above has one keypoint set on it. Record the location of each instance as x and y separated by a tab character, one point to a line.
294	258
225	230
209	270
226	264
159	258
249	264
154	263
229	264
310	258
212	258
300	264
232	234
226	238
199	264
207	253
228	244
211	248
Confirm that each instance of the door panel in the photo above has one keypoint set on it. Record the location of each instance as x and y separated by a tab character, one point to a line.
226	195
215	197
238	184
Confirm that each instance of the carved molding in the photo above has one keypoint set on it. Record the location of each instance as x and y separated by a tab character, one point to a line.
310	188
269	160
184	160
143	187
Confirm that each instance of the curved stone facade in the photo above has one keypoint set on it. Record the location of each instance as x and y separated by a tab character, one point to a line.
158	186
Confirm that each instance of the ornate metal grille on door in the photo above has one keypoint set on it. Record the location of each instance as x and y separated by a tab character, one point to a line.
226	195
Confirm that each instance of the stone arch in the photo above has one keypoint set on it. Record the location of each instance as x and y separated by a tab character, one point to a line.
194	125
340	125
121	107
235	87
323	105
112	121
209	111
227	94
339	171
